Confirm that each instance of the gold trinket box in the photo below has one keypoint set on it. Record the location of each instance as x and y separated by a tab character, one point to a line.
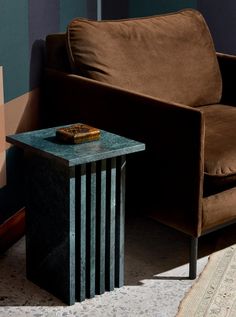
77	133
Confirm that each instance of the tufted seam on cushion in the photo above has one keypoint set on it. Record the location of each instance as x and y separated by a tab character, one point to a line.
222	172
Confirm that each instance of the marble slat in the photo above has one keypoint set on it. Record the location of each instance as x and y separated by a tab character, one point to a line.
101	228
81	233
120	222
91	233
110	226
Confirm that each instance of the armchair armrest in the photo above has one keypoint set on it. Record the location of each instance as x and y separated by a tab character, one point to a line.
173	134
227	65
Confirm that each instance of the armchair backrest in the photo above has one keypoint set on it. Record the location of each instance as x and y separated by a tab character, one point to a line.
171	57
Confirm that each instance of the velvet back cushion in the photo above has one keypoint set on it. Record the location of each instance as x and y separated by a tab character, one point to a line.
171	57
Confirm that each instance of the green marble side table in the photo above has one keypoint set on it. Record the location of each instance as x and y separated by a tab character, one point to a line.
75	212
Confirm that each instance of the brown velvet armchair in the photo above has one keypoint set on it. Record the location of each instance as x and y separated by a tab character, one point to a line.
157	80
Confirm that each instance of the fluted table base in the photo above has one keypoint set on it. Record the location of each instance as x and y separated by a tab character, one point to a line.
75	226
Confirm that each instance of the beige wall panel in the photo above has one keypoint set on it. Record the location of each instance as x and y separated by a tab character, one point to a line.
2	134
22	113
1	86
2	169
2	128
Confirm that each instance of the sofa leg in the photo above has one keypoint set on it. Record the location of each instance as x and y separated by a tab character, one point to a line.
193	258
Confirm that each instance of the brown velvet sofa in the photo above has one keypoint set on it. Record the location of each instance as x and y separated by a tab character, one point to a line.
157	80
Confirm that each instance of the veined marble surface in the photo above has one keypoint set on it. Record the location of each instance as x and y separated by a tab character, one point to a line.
44	142
155	279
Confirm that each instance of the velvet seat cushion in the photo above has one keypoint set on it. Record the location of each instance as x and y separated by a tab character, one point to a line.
170	57
220	148
218	209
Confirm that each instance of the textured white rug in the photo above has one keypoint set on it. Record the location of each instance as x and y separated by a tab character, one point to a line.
155	279
214	294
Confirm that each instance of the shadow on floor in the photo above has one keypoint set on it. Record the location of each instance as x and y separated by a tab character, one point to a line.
151	249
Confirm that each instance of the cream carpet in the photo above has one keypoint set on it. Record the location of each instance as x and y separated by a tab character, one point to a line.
156	281
214	294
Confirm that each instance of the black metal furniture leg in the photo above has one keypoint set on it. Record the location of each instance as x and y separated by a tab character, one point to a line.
193	258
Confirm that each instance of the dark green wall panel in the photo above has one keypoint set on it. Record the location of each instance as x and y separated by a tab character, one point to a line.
221	19
116	9
48	12
14	47
151	7
70	9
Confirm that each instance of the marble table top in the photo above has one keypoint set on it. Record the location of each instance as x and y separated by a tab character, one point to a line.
45	143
